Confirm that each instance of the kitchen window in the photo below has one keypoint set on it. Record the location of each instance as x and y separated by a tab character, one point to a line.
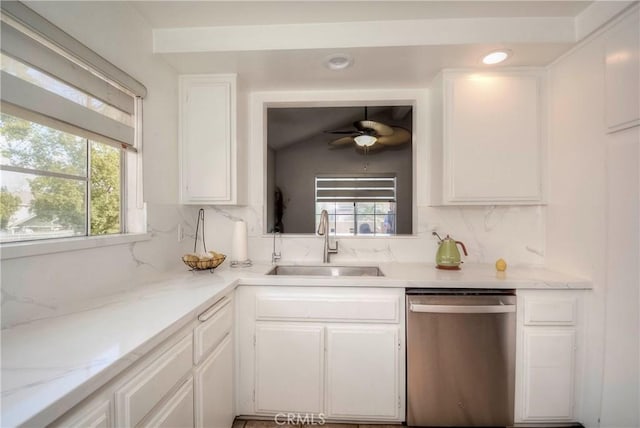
358	205
70	136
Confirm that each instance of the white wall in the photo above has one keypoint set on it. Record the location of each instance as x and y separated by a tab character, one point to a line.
592	230
40	286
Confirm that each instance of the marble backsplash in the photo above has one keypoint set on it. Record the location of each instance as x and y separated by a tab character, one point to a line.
51	285
515	233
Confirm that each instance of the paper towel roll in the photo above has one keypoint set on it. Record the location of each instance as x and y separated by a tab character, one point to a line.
239	244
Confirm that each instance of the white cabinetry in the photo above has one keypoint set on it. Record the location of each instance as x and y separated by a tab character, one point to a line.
622	69
142	392
207	139
214	376
289	367
362	375
214	388
487	137
187	381
95	414
547	359
177	412
322	350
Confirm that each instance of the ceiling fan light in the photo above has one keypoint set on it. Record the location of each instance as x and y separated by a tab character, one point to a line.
365	140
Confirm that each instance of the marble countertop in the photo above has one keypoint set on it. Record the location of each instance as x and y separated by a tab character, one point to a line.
50	365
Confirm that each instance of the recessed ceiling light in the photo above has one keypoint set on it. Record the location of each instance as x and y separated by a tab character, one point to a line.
338	61
496	57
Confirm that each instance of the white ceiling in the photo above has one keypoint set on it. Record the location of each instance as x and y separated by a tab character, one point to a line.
256	39
388	67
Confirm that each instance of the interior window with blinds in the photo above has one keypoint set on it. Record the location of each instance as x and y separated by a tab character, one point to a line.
358	205
69	123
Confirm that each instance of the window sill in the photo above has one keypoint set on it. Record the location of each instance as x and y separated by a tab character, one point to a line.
37	248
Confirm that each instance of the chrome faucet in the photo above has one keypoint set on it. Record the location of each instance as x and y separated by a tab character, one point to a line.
275	256
323	229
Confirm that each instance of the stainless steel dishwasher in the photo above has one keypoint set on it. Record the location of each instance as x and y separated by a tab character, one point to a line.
460	357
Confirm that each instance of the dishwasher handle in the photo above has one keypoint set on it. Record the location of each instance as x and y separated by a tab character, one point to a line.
461	309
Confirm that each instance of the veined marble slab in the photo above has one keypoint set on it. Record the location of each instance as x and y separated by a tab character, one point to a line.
50	365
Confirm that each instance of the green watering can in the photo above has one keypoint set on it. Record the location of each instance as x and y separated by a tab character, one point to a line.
448	256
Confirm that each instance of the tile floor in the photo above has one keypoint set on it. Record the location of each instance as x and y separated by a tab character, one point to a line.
271	424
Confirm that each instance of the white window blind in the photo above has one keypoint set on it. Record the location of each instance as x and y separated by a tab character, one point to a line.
35	45
350	188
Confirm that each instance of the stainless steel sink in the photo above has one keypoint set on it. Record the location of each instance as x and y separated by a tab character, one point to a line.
327	271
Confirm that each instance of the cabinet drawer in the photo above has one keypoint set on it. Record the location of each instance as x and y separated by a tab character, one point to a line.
557	311
215	324
177	412
145	390
94	415
328	308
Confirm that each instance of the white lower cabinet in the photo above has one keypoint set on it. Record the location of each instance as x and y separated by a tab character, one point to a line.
549	366
362	372
139	395
187	381
96	414
314	351
548	356
214	388
289	368
176	412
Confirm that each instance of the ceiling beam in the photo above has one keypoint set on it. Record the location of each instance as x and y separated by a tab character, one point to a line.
422	32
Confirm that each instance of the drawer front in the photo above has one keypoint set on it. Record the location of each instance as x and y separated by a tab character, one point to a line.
328	308
557	311
216	323
91	416
144	391
177	412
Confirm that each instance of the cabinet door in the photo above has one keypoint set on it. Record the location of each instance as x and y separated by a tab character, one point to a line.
135	399
289	367
622	62
214	388
492	138
207	139
549	366
363	372
176	412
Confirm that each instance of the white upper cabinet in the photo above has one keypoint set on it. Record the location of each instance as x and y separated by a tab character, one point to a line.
622	69
487	137
208	146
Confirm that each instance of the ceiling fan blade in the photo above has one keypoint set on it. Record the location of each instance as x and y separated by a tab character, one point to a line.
399	136
380	129
341	142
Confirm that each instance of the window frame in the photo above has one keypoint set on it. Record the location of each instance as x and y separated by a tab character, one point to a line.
133	221
355	199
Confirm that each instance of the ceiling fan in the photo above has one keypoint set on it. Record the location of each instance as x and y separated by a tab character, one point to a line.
371	136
